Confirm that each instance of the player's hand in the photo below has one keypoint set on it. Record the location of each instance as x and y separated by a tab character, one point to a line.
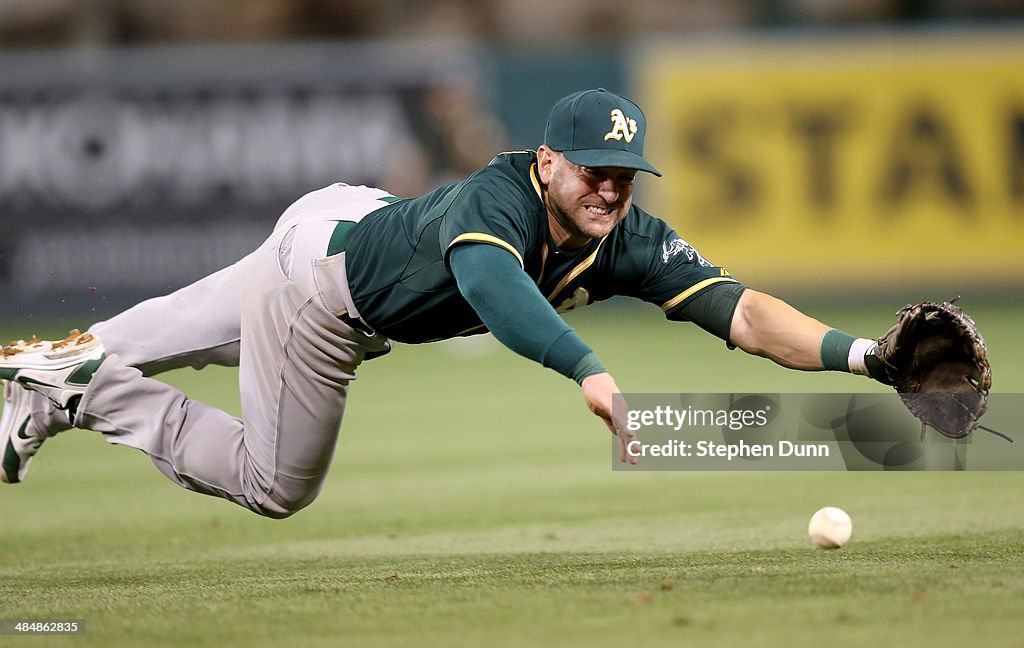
599	391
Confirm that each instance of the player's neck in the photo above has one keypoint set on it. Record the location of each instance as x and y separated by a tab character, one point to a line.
562	238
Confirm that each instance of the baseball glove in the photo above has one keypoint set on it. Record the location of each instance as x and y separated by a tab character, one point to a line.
936	359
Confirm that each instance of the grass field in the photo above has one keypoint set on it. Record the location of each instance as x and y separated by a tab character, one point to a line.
471	503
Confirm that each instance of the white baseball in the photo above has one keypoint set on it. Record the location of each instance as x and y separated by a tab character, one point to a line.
830	527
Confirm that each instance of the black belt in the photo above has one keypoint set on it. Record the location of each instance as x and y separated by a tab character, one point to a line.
357	324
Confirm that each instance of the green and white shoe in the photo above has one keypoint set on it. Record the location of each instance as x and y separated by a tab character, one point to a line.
59	370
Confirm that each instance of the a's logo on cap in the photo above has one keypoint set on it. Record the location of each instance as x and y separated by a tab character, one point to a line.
621	127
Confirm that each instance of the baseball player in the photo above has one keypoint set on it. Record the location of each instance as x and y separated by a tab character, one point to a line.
347	270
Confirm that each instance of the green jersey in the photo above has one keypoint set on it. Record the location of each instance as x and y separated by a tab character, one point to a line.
397	256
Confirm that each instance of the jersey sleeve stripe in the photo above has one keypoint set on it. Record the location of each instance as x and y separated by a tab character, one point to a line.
480	237
692	290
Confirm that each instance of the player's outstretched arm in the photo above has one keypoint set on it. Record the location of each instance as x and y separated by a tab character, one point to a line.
769	327
935	356
508	302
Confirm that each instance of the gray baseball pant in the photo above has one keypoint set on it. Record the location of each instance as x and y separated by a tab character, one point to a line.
277	314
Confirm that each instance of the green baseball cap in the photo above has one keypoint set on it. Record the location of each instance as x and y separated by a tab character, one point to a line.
598	128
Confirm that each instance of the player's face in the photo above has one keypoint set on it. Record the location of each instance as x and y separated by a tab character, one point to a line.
583	203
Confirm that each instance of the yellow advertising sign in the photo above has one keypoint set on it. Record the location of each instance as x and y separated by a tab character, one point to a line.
824	164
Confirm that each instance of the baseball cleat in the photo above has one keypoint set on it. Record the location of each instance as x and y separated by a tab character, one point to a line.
59	370
17	443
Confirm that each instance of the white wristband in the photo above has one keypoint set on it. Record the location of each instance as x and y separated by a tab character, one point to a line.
860	348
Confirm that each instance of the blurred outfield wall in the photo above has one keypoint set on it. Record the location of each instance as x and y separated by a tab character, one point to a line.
853	163
802	163
130	172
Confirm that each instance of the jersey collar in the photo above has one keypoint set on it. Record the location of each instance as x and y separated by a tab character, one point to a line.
536	182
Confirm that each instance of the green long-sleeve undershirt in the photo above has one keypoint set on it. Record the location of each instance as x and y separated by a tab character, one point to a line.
512	308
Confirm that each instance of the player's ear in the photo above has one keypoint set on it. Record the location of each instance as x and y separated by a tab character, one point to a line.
546	158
